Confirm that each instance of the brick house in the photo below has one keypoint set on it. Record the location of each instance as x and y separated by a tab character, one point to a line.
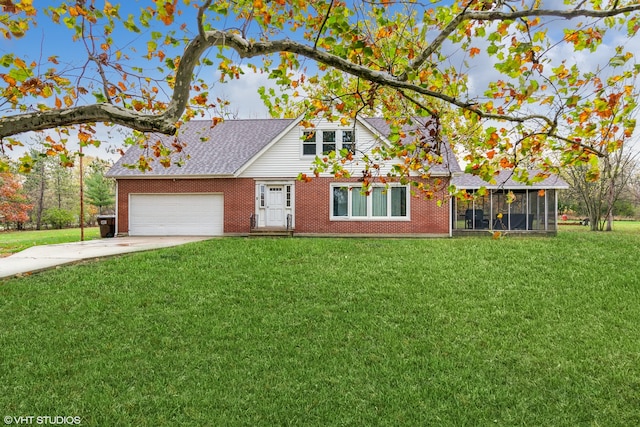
241	177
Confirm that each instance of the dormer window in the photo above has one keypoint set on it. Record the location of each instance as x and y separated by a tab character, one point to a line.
348	140
320	141
309	143
328	141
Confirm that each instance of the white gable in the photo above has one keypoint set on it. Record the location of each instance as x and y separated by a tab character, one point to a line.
284	157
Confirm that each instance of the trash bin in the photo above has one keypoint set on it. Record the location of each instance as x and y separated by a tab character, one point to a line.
107	225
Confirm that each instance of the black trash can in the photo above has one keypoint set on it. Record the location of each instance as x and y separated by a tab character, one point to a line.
107	225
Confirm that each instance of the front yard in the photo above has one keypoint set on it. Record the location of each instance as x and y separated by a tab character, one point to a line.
12	242
446	332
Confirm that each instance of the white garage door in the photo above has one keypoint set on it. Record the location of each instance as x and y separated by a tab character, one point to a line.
176	215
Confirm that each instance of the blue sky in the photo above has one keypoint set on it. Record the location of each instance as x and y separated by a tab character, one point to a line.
48	39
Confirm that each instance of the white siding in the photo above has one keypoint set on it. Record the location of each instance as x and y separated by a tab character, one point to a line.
284	159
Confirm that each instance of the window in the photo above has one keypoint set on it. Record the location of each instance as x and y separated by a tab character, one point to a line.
309	143
358	202
340	201
288	196
348	140
262	196
324	141
328	141
348	202
398	201
379	201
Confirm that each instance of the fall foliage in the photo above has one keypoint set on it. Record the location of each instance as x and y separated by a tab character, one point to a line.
13	203
150	66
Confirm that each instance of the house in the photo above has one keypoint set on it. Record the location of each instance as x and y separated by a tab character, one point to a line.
241	177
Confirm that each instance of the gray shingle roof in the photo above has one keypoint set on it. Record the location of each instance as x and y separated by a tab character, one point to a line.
449	161
217	151
225	148
504	180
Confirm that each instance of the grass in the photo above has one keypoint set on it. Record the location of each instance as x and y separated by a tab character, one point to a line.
12	242
446	332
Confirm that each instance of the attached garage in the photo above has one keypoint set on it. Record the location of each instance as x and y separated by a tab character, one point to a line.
176	214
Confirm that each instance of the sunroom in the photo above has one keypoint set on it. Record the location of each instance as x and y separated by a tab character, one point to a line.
506	205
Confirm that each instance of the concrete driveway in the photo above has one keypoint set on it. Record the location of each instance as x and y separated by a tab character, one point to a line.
38	258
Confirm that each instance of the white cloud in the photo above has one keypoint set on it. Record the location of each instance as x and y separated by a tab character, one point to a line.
245	101
243	94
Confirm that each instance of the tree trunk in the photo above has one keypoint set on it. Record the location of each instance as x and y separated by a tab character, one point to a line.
609	226
40	200
40	204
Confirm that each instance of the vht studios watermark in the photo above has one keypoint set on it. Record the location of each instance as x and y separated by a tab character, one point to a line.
42	420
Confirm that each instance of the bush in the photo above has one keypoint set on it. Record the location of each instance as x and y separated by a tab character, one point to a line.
58	218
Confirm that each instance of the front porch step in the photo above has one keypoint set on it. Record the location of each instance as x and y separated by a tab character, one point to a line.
271	232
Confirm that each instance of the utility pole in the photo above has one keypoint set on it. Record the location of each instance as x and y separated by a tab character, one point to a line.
81	197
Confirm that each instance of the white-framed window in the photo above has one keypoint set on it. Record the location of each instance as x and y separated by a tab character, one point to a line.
309	138
328	141
349	202
263	201
349	140
322	141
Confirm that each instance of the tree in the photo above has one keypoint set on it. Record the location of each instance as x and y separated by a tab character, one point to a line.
36	184
99	190
634	189
63	187
543	98
600	180
598	195
50	184
13	203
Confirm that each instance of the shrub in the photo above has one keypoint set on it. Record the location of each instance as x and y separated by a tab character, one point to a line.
58	218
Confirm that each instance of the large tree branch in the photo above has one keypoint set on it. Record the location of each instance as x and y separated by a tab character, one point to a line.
13	125
104	112
247	49
492	15
165	122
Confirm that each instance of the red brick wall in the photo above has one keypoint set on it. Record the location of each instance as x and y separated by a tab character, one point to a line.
312	203
238	193
312	214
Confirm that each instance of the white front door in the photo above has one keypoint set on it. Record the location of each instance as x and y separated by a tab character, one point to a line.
275	216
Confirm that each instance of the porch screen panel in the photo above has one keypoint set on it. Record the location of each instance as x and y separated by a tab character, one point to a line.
552	210
537	208
518	216
358	202
534	210
379	201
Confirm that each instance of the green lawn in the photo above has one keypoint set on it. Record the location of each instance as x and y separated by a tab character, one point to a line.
317	332
16	241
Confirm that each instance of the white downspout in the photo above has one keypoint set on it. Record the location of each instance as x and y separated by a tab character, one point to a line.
115	233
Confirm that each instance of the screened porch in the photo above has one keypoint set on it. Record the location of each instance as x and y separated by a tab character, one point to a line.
506	205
